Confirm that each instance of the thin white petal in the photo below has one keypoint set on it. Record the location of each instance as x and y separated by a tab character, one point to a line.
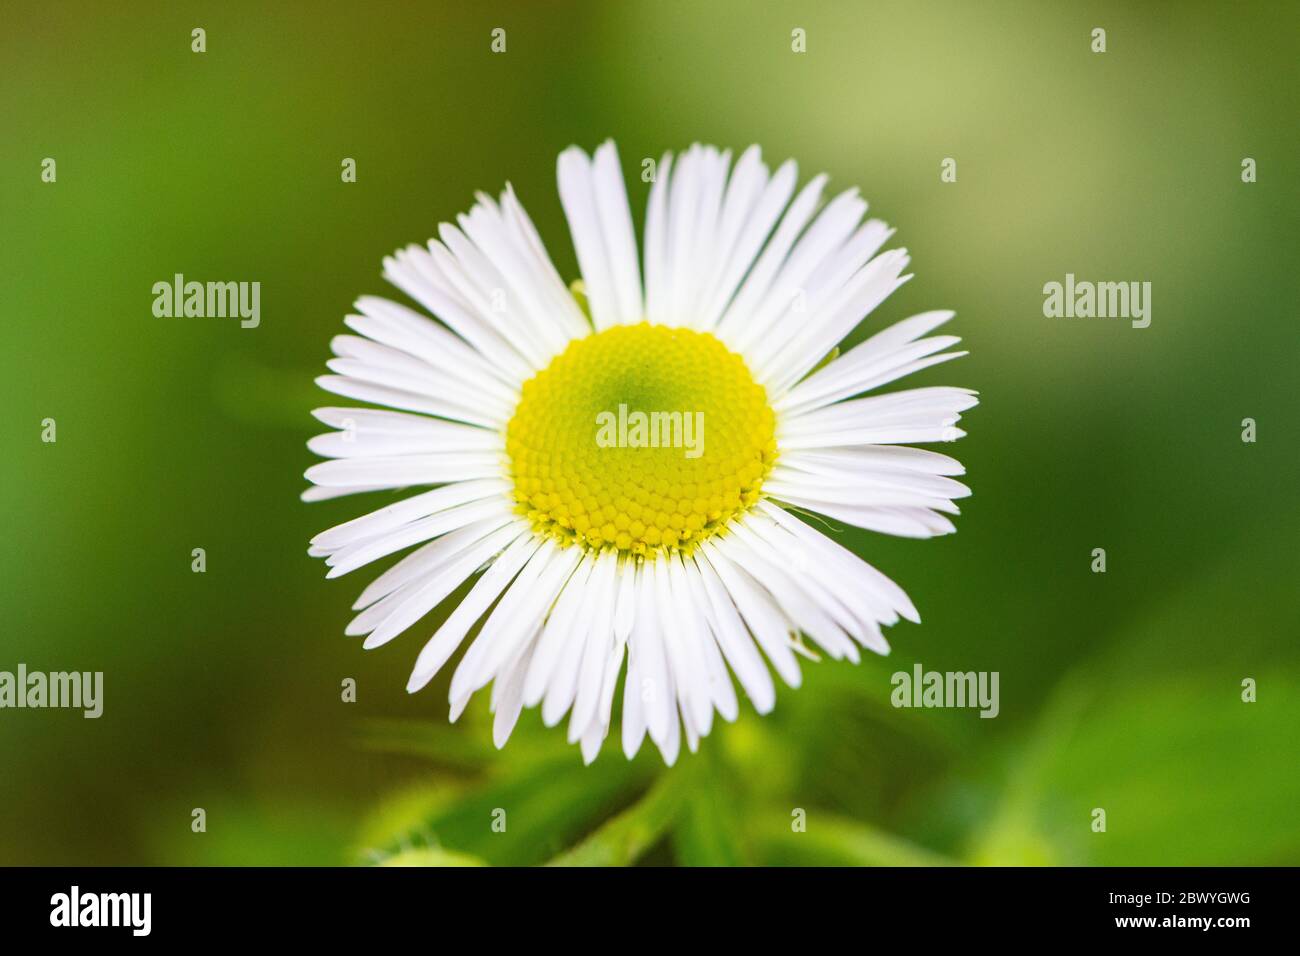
361	553
430	593
427	559
409	509
398	471
557	632
764	619
486	590
616	227
658	272
519	611
758	225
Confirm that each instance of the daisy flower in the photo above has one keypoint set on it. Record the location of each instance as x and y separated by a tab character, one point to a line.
579	560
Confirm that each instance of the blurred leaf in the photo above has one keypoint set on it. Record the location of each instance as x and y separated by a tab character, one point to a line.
431	856
1187	773
436	741
524	817
1159	738
706	833
622	840
403	815
834	841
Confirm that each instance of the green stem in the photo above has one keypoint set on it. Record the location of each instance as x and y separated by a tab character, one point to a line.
622	840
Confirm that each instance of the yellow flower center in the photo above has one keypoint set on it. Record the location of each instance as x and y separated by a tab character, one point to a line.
640	437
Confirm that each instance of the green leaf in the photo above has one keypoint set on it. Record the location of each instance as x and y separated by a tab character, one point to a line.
1187	773
829	840
401	819
522	818
432	856
705	833
625	838
1159	738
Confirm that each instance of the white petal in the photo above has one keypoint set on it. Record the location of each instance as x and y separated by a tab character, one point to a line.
891	593
419	274
655	687
595	658
473	276
564	308
317	493
557	632
430	593
848	596
857	494
683	206
486	590
361	443
682	642
364	390
591	742
427	559
670	743
510	702
595	202
397	471
910	408
625	609
563	684
634	726
519	300
449	355
721	691
828	325
520	610
758	225
878	360
765	621
815	469
798	606
736	642
903	522
696	254
759	280
409	509
743	189
658	271
823	238
361	553
578	197
879	457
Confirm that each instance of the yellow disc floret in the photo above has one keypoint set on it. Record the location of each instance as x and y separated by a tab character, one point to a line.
642	438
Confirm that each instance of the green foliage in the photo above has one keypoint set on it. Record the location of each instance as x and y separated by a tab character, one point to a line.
624	839
431	856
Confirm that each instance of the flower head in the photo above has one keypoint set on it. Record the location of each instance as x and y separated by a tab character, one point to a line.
615	465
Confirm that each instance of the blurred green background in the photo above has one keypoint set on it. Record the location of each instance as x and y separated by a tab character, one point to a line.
222	690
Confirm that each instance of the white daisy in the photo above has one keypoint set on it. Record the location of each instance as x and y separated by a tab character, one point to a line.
692	568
